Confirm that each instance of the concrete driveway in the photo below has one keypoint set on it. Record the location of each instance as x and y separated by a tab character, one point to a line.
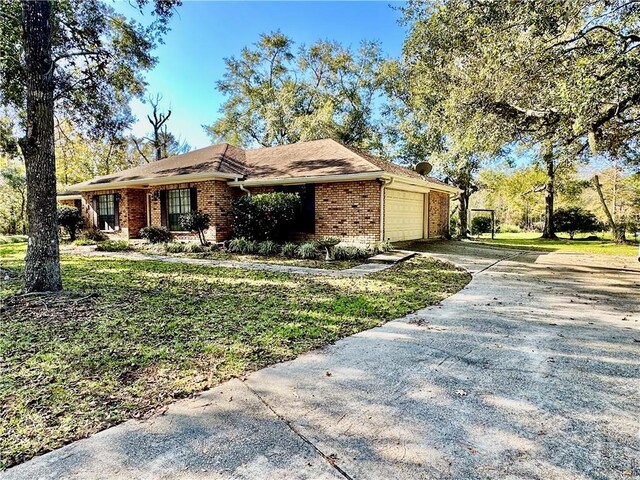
532	371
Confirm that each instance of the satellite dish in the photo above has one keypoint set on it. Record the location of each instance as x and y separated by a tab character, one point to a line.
424	168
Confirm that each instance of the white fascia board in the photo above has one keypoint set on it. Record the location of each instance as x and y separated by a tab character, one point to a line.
146	182
69	197
423	184
352	177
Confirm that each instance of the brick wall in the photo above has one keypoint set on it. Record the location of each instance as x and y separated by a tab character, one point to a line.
214	197
132	211
438	214
349	210
134	203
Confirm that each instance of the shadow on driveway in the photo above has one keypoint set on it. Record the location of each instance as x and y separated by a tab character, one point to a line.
531	371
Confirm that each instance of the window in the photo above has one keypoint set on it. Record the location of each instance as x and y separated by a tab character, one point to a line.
306	221
106	212
178	203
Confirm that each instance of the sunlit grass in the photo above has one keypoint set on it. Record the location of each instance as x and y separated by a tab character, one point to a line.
532	241
156	331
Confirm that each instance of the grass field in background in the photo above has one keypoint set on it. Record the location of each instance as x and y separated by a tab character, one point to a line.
532	241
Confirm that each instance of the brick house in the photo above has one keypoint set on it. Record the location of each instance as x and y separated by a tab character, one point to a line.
344	192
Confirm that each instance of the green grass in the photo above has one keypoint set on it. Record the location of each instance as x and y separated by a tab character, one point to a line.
4	239
532	241
131	336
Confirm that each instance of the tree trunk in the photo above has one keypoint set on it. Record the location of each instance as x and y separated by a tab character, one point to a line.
463	213
549	194
156	142
42	270
617	232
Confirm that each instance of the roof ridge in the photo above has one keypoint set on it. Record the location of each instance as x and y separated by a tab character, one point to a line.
368	156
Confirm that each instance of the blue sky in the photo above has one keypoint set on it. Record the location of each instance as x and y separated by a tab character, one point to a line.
204	33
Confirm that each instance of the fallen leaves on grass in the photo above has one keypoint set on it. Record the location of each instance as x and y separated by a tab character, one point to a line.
74	363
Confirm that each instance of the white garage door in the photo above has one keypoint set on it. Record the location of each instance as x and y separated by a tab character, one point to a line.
403	215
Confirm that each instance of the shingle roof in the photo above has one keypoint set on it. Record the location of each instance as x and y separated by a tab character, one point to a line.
222	158
305	159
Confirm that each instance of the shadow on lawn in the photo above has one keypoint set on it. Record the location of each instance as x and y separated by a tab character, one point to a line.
534	379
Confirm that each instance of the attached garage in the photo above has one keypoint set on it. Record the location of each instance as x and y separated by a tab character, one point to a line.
404	215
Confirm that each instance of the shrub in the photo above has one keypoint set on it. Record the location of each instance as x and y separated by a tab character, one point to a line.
351	252
575	219
268	247
84	241
185	247
480	225
381	247
308	250
174	247
113	246
267	216
94	234
70	219
243	246
156	234
289	249
196	222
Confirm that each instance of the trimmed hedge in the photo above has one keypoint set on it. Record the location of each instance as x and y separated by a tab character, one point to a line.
156	234
266	216
70	218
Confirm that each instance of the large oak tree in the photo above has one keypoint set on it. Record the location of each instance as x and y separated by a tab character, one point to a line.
559	75
277	94
79	60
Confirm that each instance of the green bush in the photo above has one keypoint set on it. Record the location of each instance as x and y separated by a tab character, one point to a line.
380	247
267	216
575	219
94	234
289	250
113	246
351	252
70	219
156	234
268	247
242	246
196	222
480	225
174	247
185	247
308	250
84	241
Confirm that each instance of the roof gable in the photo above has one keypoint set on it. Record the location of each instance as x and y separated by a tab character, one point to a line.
317	158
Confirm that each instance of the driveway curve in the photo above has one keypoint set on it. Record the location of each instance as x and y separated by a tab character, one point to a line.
532	371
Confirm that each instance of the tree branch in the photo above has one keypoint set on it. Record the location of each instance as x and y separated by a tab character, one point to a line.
135	142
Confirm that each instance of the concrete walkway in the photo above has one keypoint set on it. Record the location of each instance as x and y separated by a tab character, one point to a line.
532	371
357	271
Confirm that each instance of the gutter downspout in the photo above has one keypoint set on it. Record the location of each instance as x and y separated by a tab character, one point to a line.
384	183
243	188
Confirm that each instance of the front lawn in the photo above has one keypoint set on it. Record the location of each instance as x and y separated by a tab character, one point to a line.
532	241
131	336
270	259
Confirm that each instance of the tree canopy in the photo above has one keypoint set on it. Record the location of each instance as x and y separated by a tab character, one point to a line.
78	60
559	74
278	95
